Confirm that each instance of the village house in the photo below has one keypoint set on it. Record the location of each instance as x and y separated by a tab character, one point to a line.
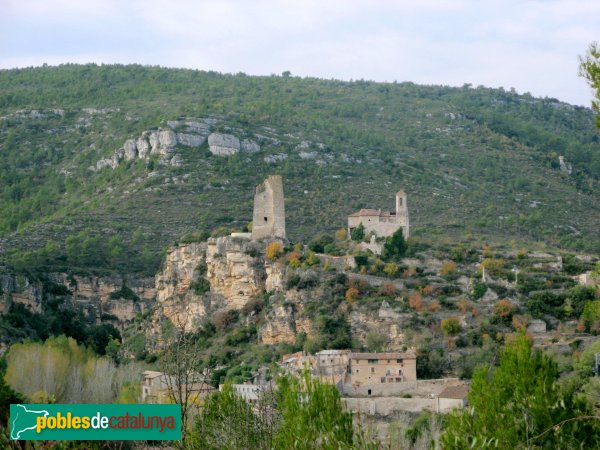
251	392
331	362
452	397
379	368
155	388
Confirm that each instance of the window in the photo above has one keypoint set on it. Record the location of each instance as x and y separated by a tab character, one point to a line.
399	361
372	369
372	361
356	370
398	380
399	371
265	219
388	361
369	392
383	379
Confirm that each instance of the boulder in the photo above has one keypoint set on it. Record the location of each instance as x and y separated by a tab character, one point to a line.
167	138
143	147
223	144
130	149
190	140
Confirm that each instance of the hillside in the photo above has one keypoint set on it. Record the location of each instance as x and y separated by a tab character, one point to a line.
477	163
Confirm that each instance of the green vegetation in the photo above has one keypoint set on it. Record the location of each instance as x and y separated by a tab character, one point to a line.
298	413
589	68
59	370
450	148
520	404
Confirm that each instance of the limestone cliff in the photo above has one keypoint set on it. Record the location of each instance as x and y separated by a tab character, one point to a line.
98	297
234	268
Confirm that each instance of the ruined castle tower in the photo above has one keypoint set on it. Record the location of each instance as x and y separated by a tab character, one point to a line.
268	220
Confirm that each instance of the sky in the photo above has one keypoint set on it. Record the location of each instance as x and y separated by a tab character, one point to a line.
532	46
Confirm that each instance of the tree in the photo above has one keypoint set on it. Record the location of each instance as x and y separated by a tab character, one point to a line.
357	234
451	326
395	246
274	250
520	404
377	342
341	234
589	68
312	415
227	420
181	367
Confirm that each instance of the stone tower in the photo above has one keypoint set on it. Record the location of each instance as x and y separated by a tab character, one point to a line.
268	220
402	213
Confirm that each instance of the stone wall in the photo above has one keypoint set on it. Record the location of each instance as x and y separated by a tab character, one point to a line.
268	220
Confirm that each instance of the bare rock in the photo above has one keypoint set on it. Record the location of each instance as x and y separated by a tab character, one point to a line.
143	147
273	159
154	143
249	146
167	138
130	149
190	140
223	144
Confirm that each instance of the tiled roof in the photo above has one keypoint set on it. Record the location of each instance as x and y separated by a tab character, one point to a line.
366	212
458	392
397	355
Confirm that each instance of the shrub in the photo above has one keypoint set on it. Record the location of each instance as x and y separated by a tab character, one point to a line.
352	294
504	308
312	259
391	269
415	301
318	244
451	326
341	234
200	286
254	305
358	233
361	260
434	306
274	250
395	246
479	290
387	290
293	280
493	266
223	319
293	259
125	292
448	268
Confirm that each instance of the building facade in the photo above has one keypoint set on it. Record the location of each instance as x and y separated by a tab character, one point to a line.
379	368
383	223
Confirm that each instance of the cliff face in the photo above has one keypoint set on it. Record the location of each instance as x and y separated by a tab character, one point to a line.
233	272
233	267
196	281
97	297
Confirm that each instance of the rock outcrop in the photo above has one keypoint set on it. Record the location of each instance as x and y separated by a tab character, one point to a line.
221	144
233	272
234	268
97	297
161	142
176	300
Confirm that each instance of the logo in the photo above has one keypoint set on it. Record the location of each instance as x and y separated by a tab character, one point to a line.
95	422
